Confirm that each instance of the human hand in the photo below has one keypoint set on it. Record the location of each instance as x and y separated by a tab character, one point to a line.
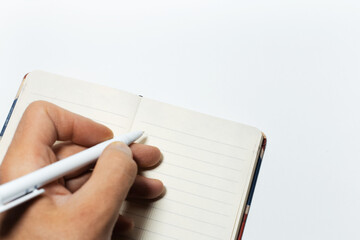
84	204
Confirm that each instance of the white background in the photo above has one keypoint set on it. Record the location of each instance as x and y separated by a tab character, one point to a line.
290	68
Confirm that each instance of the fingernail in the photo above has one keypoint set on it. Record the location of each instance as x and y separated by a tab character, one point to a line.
121	147
118	145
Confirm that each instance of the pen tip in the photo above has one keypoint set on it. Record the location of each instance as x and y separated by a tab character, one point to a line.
138	134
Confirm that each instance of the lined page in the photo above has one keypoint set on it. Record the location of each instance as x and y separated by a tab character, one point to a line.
206	168
113	108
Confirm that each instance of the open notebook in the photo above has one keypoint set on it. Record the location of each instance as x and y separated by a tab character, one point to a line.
209	166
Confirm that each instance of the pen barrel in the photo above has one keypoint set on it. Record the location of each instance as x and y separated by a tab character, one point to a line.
39	178
27	183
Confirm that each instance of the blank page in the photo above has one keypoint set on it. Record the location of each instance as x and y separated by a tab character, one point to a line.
113	108
207	169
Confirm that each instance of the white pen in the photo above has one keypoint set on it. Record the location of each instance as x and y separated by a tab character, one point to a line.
28	186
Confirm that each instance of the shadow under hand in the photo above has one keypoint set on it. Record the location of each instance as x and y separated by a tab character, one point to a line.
140	212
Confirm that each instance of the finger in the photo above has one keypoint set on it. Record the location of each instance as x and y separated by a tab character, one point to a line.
143	188
110	182
44	123
41	125
123	224
76	183
146	188
66	149
145	156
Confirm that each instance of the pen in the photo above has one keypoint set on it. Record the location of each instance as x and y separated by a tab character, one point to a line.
28	186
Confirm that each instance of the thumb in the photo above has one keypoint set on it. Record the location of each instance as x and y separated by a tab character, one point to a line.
109	184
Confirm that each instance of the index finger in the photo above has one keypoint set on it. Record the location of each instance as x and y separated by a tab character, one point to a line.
40	126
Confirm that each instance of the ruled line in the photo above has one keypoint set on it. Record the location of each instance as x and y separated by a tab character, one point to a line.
140	229
200	172
193	135
79	104
108	123
123	237
153	232
196	207
173	225
199	196
197	148
181	215
193	182
203	161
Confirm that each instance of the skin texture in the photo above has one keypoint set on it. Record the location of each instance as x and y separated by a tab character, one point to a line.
86	203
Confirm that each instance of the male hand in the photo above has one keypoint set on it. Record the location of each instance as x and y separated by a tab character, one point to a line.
86	203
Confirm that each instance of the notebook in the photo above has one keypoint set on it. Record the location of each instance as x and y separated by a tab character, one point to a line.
209	167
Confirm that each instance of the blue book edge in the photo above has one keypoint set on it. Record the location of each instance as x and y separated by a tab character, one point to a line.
8	118
12	107
252	188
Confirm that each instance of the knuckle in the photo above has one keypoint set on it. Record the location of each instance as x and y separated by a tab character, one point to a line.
127	163
129	166
35	108
123	157
37	105
132	167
